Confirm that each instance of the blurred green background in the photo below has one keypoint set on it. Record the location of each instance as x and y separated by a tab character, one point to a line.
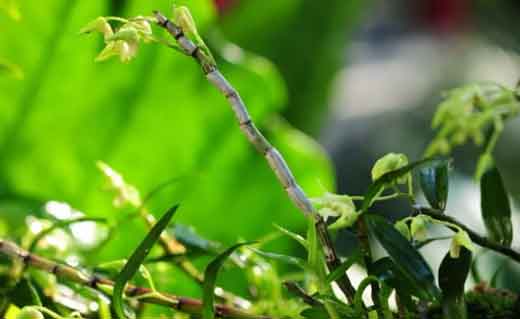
360	77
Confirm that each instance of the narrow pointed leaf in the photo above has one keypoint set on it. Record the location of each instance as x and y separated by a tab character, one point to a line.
495	207
407	260
434	183
340	271
292	235
378	185
452	276
210	278
290	260
137	258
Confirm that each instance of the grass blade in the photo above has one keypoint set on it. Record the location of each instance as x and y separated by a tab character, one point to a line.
210	279
137	258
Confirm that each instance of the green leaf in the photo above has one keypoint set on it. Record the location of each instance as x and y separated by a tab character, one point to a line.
434	183
389	163
210	278
137	258
405	257
387	272
388	178
452	276
293	235
495	207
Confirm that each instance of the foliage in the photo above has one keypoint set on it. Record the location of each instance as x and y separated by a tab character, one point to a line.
34	286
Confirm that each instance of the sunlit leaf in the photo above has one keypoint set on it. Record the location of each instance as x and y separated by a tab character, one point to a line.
134	262
495	207
389	163
386	179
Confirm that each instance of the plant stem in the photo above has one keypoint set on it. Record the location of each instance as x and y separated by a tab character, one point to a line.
475	237
147	295
255	137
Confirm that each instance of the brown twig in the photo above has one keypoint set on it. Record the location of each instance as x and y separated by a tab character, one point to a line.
147	295
475	237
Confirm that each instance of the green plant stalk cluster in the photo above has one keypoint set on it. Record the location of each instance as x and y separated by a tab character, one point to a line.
273	156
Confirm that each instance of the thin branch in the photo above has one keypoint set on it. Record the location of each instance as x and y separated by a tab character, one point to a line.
99	283
475	237
255	137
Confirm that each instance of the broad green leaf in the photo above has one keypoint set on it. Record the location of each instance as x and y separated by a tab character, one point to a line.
388	178
388	163
404	255
134	262
495	207
434	183
210	279
452	276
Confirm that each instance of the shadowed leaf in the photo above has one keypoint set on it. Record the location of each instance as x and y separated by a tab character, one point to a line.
496	210
452	276
434	183
405	257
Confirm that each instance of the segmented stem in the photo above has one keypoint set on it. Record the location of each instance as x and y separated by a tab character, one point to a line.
255	137
147	295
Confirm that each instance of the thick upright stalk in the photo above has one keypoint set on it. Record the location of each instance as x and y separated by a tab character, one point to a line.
255	137
183	304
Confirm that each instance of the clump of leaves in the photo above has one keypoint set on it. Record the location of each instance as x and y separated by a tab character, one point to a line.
122	41
474	112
